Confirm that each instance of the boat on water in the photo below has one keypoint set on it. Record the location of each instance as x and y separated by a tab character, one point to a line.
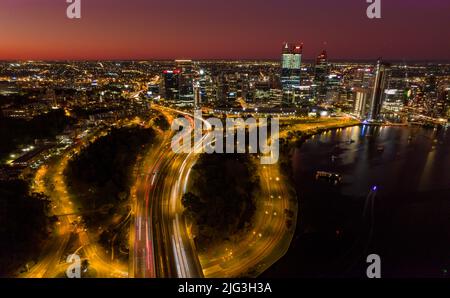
333	178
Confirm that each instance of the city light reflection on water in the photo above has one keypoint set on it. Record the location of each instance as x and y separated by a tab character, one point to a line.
395	158
403	173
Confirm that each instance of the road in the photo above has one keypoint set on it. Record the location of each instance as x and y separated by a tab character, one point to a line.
269	239
142	257
161	243
50	181
165	247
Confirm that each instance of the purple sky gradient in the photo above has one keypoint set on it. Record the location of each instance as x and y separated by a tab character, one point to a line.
230	29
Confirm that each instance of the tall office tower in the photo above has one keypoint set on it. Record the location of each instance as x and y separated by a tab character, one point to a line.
379	87
361	101
186	80
220	88
321	72
206	86
291	71
197	95
171	84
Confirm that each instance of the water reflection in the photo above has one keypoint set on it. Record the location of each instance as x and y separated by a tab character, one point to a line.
402	174
395	158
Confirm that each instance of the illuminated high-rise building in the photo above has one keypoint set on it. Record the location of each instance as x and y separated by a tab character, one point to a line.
206	86
197	94
321	72
361	101
171	84
291	70
186	80
379	87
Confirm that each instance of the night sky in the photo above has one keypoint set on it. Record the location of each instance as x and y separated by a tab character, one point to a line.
229	29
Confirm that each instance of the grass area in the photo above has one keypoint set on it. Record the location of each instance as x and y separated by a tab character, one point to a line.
289	129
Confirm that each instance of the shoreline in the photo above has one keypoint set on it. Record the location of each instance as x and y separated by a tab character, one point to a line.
305	251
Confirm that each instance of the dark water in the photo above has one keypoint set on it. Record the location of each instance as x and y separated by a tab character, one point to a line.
406	222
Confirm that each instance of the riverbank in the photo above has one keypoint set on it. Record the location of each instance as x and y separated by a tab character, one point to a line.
290	140
299	129
403	225
294	133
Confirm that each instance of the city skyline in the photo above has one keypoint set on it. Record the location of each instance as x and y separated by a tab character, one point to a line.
224	139
139	30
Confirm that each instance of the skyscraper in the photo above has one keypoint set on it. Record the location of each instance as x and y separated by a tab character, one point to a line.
321	73
197	94
379	87
186	81
171	84
206	86
361	101
290	70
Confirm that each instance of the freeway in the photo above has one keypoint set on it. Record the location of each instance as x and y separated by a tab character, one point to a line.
142	257
176	254
164	246
161	244
269	239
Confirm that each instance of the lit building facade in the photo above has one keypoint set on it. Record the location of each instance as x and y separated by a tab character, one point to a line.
378	93
291	71
321	72
362	96
171	84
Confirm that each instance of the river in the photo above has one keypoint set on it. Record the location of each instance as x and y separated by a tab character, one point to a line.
394	201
